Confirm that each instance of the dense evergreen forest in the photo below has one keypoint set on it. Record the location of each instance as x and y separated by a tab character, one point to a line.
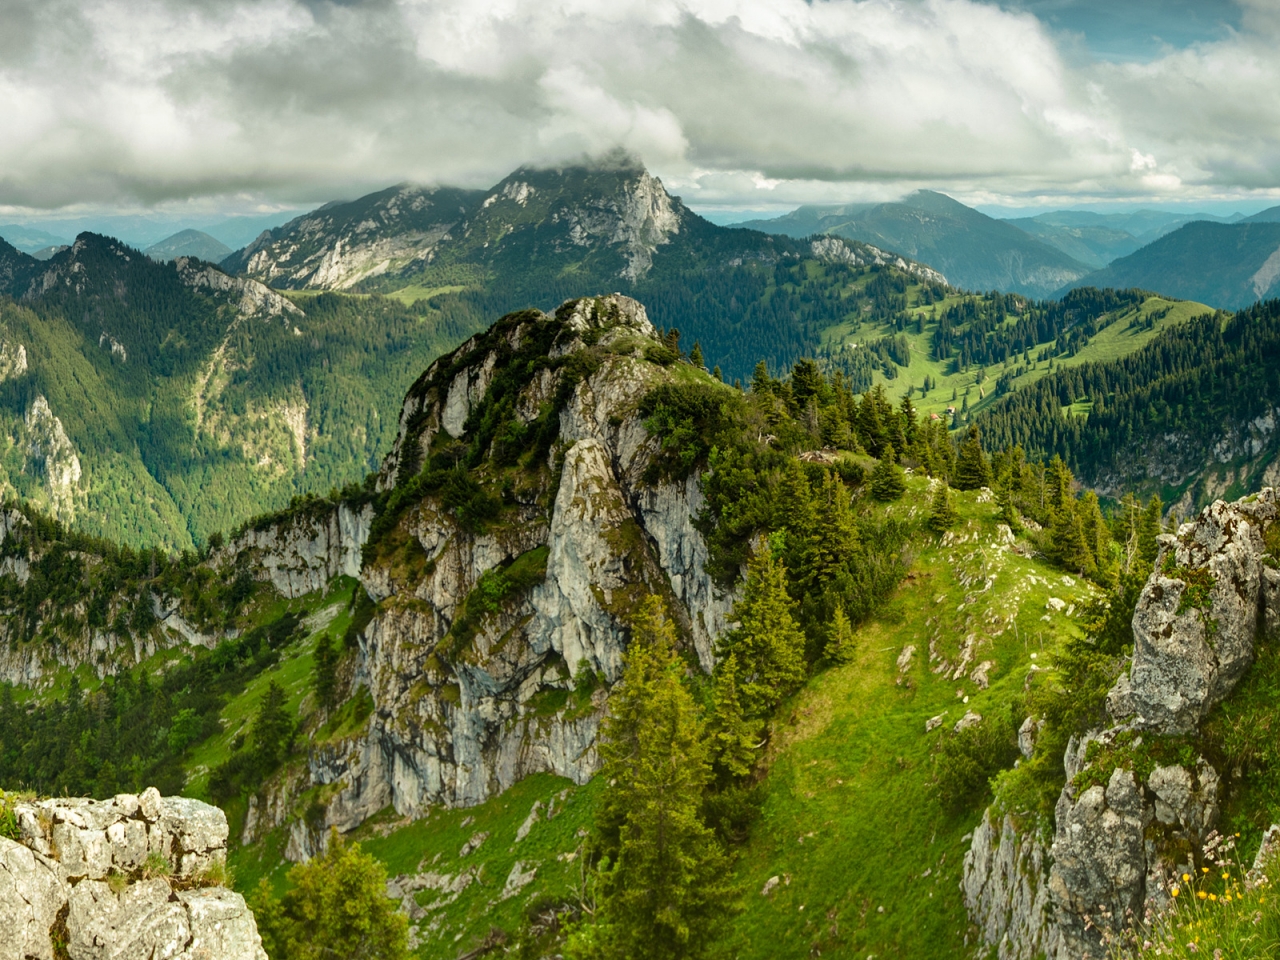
1202	381
186	414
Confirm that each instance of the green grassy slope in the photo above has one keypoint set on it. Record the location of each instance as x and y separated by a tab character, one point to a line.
850	819
1128	332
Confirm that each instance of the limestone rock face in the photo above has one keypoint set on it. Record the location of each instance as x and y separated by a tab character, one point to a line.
469	699
1189	649
123	879
306	551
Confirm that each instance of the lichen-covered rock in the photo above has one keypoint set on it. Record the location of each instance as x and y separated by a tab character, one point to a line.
31	897
1098	861
121	879
1118	842
1198	616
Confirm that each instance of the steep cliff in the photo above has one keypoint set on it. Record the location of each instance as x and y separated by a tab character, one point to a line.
516	535
132	878
1140	800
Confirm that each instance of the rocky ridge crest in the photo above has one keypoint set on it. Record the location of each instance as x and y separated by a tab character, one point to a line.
1119	836
492	645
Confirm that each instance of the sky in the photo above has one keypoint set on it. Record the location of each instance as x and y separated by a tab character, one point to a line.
195	110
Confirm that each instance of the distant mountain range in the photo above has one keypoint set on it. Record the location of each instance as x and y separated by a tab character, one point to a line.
189	243
975	251
1099	238
1228	266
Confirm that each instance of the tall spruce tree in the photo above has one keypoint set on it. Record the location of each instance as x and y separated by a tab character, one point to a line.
664	878
972	468
887	481
733	737
942	514
1069	543
767	644
840	642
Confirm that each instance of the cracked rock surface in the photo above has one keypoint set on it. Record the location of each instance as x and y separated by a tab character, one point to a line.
121	879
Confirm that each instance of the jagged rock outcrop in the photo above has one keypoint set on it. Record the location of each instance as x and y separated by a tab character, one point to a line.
52	456
122	879
1118	839
251	298
306	549
493	645
1198	616
840	250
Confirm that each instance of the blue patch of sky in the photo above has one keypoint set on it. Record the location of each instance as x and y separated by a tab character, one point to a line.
1134	30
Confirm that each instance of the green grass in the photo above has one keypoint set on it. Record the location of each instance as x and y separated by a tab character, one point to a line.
293	672
1118	340
413	293
849	814
434	842
849	818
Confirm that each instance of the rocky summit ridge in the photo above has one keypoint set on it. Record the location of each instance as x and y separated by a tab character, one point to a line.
1124	829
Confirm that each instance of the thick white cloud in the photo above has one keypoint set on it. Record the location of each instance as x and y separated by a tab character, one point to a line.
734	101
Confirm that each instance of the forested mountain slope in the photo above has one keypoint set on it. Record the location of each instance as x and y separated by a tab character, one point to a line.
581	544
158	403
1192	415
1228	266
543	235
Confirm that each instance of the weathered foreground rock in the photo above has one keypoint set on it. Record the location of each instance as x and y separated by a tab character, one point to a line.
1118	838
124	879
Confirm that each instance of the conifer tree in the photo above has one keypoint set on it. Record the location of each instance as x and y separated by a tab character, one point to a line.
337	907
695	355
1069	545
326	674
943	515
840	642
887	481
834	541
272	728
664	886
733	737
1004	500
1058	484
768	644
761	382
972	468
1149	529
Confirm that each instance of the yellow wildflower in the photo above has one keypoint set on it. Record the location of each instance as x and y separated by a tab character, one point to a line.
1175	891
1202	895
1186	877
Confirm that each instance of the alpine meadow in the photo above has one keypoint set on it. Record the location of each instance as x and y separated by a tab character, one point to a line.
737	482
